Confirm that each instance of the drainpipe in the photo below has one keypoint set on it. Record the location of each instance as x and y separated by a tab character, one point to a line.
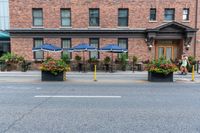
196	24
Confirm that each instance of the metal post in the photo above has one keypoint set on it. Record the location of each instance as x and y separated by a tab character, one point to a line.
95	73
192	72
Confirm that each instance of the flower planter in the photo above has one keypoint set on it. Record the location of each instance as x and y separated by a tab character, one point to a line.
158	77
48	76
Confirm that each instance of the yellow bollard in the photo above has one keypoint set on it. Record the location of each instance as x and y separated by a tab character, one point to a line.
192	72
95	73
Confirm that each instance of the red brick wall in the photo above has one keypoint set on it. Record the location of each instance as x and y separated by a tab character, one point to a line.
198	35
21	12
137	47
22	47
21	17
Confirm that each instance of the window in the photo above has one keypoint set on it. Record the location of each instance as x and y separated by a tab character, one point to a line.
4	47
37	17
65	17
152	14
93	17
123	43
123	17
4	15
66	43
38	54
186	13
169	14
95	43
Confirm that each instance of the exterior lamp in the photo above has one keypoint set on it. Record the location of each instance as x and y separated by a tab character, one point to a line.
149	46
187	47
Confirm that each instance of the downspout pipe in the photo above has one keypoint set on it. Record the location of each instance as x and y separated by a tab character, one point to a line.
196	27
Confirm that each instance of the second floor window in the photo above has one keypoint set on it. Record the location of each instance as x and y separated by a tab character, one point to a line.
186	14
37	17
123	17
95	43
38	55
152	14
65	17
169	14
93	17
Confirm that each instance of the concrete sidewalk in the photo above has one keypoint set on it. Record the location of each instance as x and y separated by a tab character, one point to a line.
102	77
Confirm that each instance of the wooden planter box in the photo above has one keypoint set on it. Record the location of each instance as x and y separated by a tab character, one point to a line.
157	77
48	76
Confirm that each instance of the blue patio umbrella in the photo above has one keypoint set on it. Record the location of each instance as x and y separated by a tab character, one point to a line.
113	48
48	48
82	47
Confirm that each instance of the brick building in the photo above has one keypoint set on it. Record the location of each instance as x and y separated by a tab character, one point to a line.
147	28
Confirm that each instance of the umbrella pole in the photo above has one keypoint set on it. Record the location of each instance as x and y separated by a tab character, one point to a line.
47	54
112	63
84	61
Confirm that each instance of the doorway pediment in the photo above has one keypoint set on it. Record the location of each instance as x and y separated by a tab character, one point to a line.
174	27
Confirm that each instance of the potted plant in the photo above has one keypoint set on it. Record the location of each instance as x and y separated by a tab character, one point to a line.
134	59
54	70
192	62
93	61
77	58
123	60
161	70
106	62
79	64
10	60
66	58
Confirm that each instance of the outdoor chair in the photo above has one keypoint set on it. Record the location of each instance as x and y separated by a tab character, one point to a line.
112	68
106	67
25	66
2	65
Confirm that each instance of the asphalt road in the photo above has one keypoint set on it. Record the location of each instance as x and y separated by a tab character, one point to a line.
99	107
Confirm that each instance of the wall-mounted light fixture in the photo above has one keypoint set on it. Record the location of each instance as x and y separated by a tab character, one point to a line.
187	47
150	46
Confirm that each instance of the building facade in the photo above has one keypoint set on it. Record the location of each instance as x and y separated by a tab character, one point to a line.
147	29
4	25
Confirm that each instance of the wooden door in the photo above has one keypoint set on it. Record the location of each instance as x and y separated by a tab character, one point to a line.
167	49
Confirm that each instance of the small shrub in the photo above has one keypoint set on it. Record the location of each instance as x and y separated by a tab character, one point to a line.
134	59
107	60
54	66
162	66
65	58
77	58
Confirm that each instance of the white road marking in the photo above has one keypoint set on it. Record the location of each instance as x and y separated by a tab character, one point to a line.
44	96
19	75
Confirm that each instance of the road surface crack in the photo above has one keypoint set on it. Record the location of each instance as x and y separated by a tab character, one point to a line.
30	111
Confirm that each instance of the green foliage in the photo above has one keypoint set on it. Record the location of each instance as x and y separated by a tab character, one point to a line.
54	66
123	60
107	60
162	66
77	58
192	60
65	58
11	58
134	59
93	60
